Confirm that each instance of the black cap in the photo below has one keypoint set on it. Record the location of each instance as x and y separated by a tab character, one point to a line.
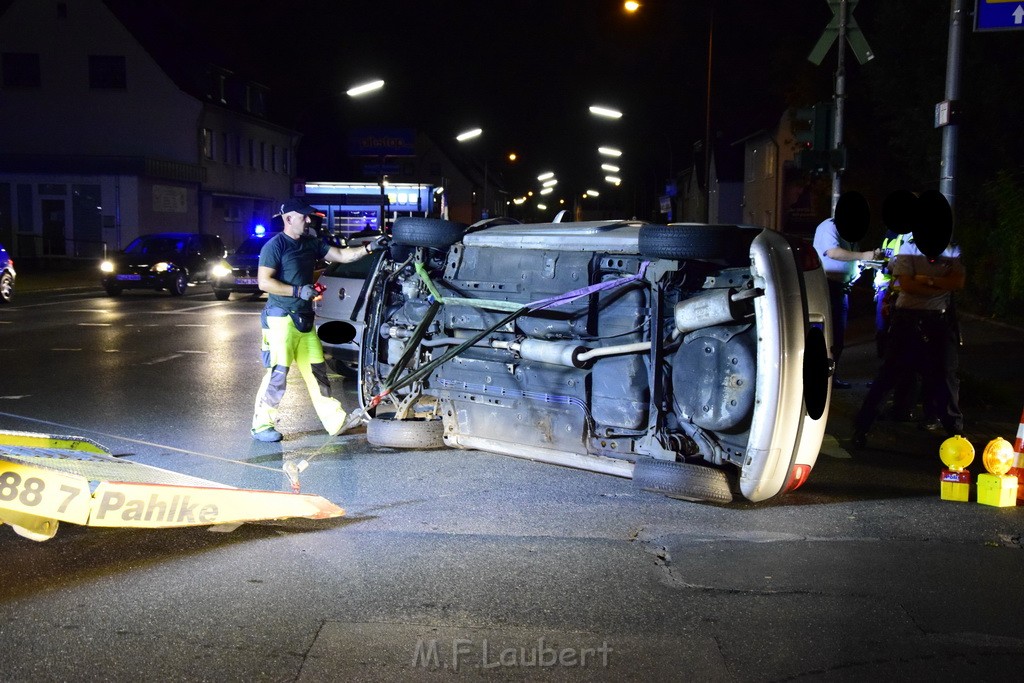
297	206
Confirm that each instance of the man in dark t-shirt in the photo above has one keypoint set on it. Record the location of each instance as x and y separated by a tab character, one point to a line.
286	266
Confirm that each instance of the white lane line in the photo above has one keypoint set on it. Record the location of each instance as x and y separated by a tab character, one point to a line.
200	352
163	359
94	324
64	349
190	325
13	398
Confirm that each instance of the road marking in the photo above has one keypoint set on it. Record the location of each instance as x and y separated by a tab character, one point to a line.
191	325
63	349
94	324
13	398
200	352
163	359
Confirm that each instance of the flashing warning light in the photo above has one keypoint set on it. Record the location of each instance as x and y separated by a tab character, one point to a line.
956	453
998	456
259	230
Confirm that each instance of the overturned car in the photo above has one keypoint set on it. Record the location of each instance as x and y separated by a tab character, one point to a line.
690	357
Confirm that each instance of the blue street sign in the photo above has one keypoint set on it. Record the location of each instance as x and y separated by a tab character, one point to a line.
999	15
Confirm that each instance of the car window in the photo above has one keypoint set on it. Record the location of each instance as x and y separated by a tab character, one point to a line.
149	244
356	270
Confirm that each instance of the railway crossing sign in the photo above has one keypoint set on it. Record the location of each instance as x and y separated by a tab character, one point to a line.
854	36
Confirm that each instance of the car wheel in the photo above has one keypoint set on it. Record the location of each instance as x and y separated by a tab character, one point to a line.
222	294
700	242
180	284
391	433
427	232
112	290
682	480
6	288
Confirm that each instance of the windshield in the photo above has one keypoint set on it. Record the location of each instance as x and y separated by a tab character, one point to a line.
156	244
251	246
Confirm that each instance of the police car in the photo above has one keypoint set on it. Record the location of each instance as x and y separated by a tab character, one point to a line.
237	273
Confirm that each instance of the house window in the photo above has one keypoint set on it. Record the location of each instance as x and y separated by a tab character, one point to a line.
224	151
252	153
263	156
206	142
21	70
107	72
287	162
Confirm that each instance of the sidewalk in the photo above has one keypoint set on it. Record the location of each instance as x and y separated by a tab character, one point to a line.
36	277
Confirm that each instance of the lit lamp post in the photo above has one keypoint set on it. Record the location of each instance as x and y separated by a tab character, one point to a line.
362	90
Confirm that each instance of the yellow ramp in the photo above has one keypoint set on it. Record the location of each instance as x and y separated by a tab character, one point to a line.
47	479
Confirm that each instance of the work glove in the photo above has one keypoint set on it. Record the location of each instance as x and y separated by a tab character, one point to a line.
379	244
305	292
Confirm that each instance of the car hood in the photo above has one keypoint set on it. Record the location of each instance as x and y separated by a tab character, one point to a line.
152	257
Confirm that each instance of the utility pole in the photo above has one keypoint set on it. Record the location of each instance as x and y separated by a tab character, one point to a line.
950	132
844	28
839	98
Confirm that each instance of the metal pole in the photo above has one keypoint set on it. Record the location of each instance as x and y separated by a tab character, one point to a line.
840	102
950	132
707	121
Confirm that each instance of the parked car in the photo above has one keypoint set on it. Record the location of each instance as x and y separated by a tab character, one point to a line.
237	272
689	357
166	260
7	277
339	308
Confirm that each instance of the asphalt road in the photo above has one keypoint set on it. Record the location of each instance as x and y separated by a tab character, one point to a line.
462	564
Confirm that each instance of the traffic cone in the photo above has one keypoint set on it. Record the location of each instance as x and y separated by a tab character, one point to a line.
1018	458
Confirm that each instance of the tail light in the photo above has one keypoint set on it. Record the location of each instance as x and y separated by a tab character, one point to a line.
804	253
797	476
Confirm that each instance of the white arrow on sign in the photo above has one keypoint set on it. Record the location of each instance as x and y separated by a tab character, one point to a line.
1018	15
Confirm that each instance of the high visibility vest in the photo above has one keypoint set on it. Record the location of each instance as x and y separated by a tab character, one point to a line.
890	247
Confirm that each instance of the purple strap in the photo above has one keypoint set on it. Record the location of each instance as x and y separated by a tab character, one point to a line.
585	291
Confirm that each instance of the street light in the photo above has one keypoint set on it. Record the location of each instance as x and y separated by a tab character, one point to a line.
469	134
609	151
606	112
357	90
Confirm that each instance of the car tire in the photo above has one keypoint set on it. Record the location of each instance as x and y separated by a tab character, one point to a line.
391	433
6	288
686	481
112	290
222	294
179	284
427	232
698	242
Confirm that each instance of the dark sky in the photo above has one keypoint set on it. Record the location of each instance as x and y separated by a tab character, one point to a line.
526	70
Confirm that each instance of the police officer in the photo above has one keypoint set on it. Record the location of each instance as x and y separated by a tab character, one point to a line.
833	242
924	335
285	273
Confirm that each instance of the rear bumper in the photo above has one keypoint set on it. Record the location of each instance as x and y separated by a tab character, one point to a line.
782	434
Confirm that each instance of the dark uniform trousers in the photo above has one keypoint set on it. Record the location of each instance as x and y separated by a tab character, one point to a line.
926	342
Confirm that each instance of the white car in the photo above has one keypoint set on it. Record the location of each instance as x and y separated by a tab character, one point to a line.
338	312
692	358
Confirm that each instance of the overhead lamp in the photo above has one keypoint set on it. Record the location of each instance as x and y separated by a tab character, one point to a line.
591	193
606	112
542	207
631	5
614	180
356	91
546	176
550	183
610	167
547	190
609	151
469	134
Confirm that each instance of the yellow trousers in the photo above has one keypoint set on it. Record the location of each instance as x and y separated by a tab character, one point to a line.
284	345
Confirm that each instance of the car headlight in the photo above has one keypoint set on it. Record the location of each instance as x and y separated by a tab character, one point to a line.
161	267
107	267
221	270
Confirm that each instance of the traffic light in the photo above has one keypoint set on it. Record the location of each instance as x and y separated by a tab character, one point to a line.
812	132
812	127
